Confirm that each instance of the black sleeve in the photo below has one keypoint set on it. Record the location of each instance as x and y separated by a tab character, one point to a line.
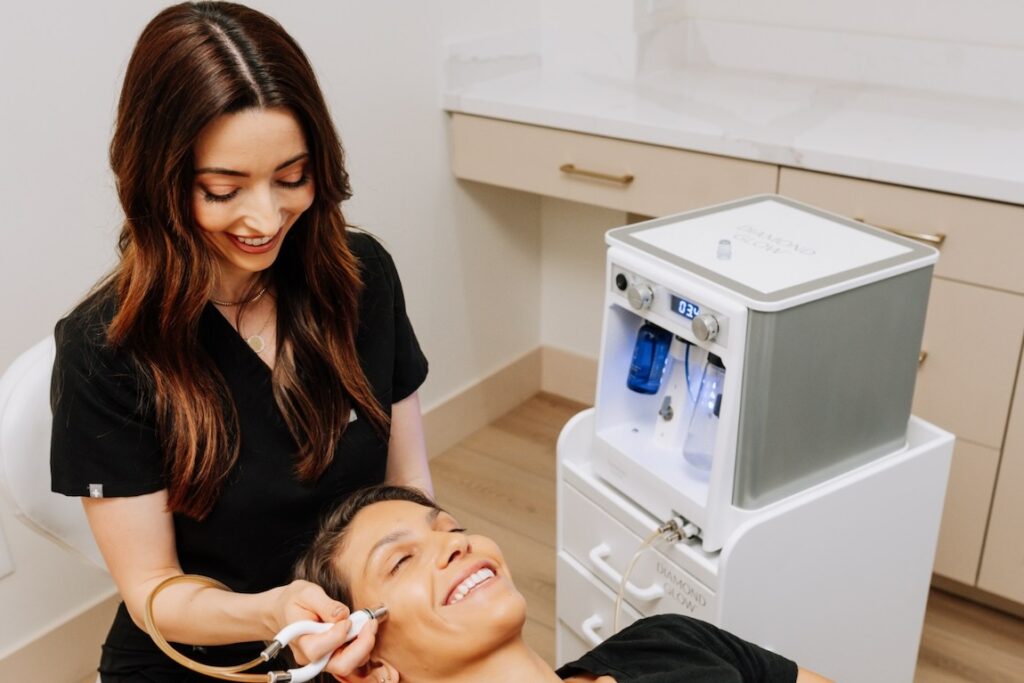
103	427
754	663
410	365
670	647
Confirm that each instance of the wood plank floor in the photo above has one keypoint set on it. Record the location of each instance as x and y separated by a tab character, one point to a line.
500	481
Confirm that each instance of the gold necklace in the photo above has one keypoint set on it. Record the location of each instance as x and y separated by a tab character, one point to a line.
253	300
256	341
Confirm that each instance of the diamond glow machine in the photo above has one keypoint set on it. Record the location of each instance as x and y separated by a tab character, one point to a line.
755	379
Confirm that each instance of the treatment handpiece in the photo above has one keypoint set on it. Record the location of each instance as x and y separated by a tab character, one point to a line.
358	619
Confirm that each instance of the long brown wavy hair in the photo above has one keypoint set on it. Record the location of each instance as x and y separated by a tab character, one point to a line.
193	63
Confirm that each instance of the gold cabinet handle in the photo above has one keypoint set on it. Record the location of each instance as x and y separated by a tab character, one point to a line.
571	169
921	358
937	239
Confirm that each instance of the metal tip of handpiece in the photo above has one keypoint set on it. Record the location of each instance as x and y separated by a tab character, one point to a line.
379	613
271	650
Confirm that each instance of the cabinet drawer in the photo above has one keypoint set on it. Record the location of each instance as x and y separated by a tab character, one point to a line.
972	336
1002	566
965	514
663	180
983	239
585	606
568	646
604	547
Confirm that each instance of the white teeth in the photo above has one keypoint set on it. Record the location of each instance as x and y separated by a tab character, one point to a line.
471	582
254	241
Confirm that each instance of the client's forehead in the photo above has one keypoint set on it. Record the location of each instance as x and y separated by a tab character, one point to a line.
383	522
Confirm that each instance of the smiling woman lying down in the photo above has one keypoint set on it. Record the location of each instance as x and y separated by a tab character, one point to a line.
456	617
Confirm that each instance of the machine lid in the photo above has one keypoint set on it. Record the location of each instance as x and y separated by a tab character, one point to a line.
775	252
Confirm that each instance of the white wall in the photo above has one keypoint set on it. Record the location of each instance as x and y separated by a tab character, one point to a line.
981	22
468	255
573	274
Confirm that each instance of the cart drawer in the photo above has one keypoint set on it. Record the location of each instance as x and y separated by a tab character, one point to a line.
604	547
585	606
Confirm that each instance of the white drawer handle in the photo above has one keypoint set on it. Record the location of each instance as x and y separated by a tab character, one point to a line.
599	556
589	627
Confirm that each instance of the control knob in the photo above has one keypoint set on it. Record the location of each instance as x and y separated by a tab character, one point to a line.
705	327
640	296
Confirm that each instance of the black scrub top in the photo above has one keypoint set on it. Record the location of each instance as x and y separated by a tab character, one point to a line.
672	648
104	435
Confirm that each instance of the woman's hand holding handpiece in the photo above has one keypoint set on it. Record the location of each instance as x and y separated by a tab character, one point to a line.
302	600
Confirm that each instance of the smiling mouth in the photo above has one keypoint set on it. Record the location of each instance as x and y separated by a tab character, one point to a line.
255	241
469	584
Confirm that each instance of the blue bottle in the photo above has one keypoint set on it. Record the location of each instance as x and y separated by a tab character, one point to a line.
649	357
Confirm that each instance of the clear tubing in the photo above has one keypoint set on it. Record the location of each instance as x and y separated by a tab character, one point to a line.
629	570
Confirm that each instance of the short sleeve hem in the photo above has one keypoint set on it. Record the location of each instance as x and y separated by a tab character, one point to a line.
104	432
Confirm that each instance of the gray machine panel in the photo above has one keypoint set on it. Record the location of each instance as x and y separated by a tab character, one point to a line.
862	357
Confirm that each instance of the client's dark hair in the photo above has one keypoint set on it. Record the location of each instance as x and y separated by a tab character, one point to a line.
317	564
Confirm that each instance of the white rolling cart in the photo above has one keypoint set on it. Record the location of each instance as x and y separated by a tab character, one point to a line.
754	387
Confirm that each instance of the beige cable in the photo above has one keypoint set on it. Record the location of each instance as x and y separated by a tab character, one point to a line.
227	673
625	576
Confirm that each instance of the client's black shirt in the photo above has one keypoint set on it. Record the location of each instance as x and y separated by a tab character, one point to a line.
670	648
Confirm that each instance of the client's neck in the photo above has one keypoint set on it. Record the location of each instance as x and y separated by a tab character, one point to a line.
513	662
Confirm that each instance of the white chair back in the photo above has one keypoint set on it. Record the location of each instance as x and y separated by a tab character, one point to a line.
25	422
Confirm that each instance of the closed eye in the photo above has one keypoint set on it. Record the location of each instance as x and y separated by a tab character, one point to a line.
303	179
399	564
213	197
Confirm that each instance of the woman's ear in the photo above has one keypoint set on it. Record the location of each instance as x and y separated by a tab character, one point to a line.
374	671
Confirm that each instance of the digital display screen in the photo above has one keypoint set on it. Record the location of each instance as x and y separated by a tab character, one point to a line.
687	309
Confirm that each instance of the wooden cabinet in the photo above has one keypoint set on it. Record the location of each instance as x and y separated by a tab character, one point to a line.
617	174
966	383
1002	565
972	338
965	514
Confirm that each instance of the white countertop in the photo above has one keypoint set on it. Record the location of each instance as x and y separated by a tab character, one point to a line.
952	143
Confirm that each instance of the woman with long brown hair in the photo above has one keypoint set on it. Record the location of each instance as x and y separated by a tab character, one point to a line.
249	361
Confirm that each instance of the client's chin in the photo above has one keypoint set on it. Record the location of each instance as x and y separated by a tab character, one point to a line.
495	610
484	621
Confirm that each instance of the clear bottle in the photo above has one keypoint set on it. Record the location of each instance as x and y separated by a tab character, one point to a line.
700	438
649	356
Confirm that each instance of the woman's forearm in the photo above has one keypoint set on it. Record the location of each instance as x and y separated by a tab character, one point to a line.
201	615
407	449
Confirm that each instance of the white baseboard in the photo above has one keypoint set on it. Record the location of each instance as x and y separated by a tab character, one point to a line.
68	653
479	404
568	374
